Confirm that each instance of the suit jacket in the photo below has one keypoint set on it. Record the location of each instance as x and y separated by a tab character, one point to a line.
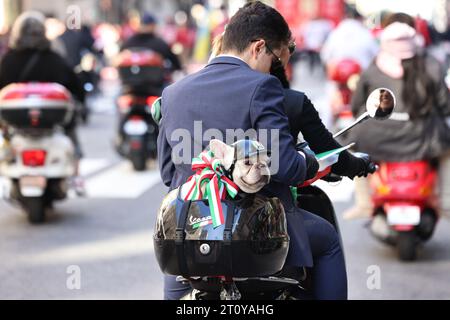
228	94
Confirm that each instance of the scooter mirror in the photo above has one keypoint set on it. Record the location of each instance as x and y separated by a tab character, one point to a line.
380	104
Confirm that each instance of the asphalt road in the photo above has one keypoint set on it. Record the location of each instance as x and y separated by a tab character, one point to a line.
107	238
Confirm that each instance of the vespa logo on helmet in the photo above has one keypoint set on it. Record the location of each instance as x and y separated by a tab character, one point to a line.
196	223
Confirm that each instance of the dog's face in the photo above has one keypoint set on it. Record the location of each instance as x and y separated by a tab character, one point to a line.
250	174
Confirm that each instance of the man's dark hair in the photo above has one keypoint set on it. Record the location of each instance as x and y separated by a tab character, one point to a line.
256	21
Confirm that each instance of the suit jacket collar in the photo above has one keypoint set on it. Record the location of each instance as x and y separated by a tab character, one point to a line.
228	60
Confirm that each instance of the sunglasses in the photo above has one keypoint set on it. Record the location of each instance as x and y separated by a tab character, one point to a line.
270	50
291	47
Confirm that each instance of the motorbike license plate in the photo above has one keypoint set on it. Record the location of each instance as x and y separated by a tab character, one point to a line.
29	181
135	128
403	215
32	186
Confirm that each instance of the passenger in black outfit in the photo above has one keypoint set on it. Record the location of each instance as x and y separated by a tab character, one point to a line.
303	117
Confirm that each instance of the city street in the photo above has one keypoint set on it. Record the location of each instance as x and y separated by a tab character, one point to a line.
108	235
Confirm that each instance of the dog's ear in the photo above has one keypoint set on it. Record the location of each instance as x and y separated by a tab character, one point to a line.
223	152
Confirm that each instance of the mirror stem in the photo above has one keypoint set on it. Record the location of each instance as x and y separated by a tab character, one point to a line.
360	119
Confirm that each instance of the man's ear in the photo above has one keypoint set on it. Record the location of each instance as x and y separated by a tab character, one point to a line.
223	152
258	48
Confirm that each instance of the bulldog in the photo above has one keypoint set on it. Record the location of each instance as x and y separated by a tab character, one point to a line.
246	162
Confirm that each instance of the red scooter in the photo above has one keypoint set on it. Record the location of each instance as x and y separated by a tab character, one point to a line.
405	203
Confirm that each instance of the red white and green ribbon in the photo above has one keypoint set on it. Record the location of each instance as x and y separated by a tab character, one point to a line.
209	174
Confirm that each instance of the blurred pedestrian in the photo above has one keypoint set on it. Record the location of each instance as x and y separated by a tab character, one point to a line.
350	40
131	25
417	129
314	33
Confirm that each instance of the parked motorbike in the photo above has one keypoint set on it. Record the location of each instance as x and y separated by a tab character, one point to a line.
244	258
144	75
405	205
41	158
345	74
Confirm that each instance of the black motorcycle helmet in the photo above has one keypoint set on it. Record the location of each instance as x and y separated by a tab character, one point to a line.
253	241
245	149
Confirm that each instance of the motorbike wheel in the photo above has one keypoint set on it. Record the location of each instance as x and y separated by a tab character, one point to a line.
427	224
139	163
407	246
35	208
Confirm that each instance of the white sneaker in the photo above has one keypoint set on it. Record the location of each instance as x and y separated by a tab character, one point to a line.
78	186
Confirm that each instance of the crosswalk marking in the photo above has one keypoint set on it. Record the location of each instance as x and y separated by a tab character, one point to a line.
121	182
105	180
90	166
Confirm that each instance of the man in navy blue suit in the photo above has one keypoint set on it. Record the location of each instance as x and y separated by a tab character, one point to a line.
236	91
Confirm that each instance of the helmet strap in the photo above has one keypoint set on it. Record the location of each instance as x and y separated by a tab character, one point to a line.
229	172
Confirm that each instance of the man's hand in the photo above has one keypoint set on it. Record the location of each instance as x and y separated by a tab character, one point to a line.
312	166
366	166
